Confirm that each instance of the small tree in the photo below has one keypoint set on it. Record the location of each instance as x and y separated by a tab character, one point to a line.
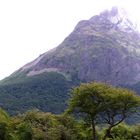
98	100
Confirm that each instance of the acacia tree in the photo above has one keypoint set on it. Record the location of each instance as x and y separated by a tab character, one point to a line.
122	103
98	100
87	99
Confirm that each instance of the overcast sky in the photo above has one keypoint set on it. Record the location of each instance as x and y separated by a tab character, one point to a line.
29	28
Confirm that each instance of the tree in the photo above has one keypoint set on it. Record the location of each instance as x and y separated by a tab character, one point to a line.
122	132
24	131
87	99
102	103
4	122
122	103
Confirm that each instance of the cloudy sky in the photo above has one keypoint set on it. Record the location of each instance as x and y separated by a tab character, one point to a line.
29	28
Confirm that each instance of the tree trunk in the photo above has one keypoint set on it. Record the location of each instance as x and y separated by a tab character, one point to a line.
108	133
93	129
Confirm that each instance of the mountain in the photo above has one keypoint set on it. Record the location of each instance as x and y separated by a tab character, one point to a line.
105	48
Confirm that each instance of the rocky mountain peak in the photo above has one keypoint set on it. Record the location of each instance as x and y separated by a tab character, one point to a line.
118	17
115	12
104	48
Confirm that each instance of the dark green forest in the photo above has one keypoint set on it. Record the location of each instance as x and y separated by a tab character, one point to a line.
47	92
95	111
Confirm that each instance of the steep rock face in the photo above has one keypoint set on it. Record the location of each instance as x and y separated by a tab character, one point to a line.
104	48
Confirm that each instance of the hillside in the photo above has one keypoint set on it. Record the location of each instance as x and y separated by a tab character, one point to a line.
105	48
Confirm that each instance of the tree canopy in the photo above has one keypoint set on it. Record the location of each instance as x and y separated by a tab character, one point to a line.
103	103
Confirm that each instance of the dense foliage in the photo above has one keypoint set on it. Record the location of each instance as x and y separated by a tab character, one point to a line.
37	125
102	103
107	106
47	92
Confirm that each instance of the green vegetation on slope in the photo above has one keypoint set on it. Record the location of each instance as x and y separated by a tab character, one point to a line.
47	91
